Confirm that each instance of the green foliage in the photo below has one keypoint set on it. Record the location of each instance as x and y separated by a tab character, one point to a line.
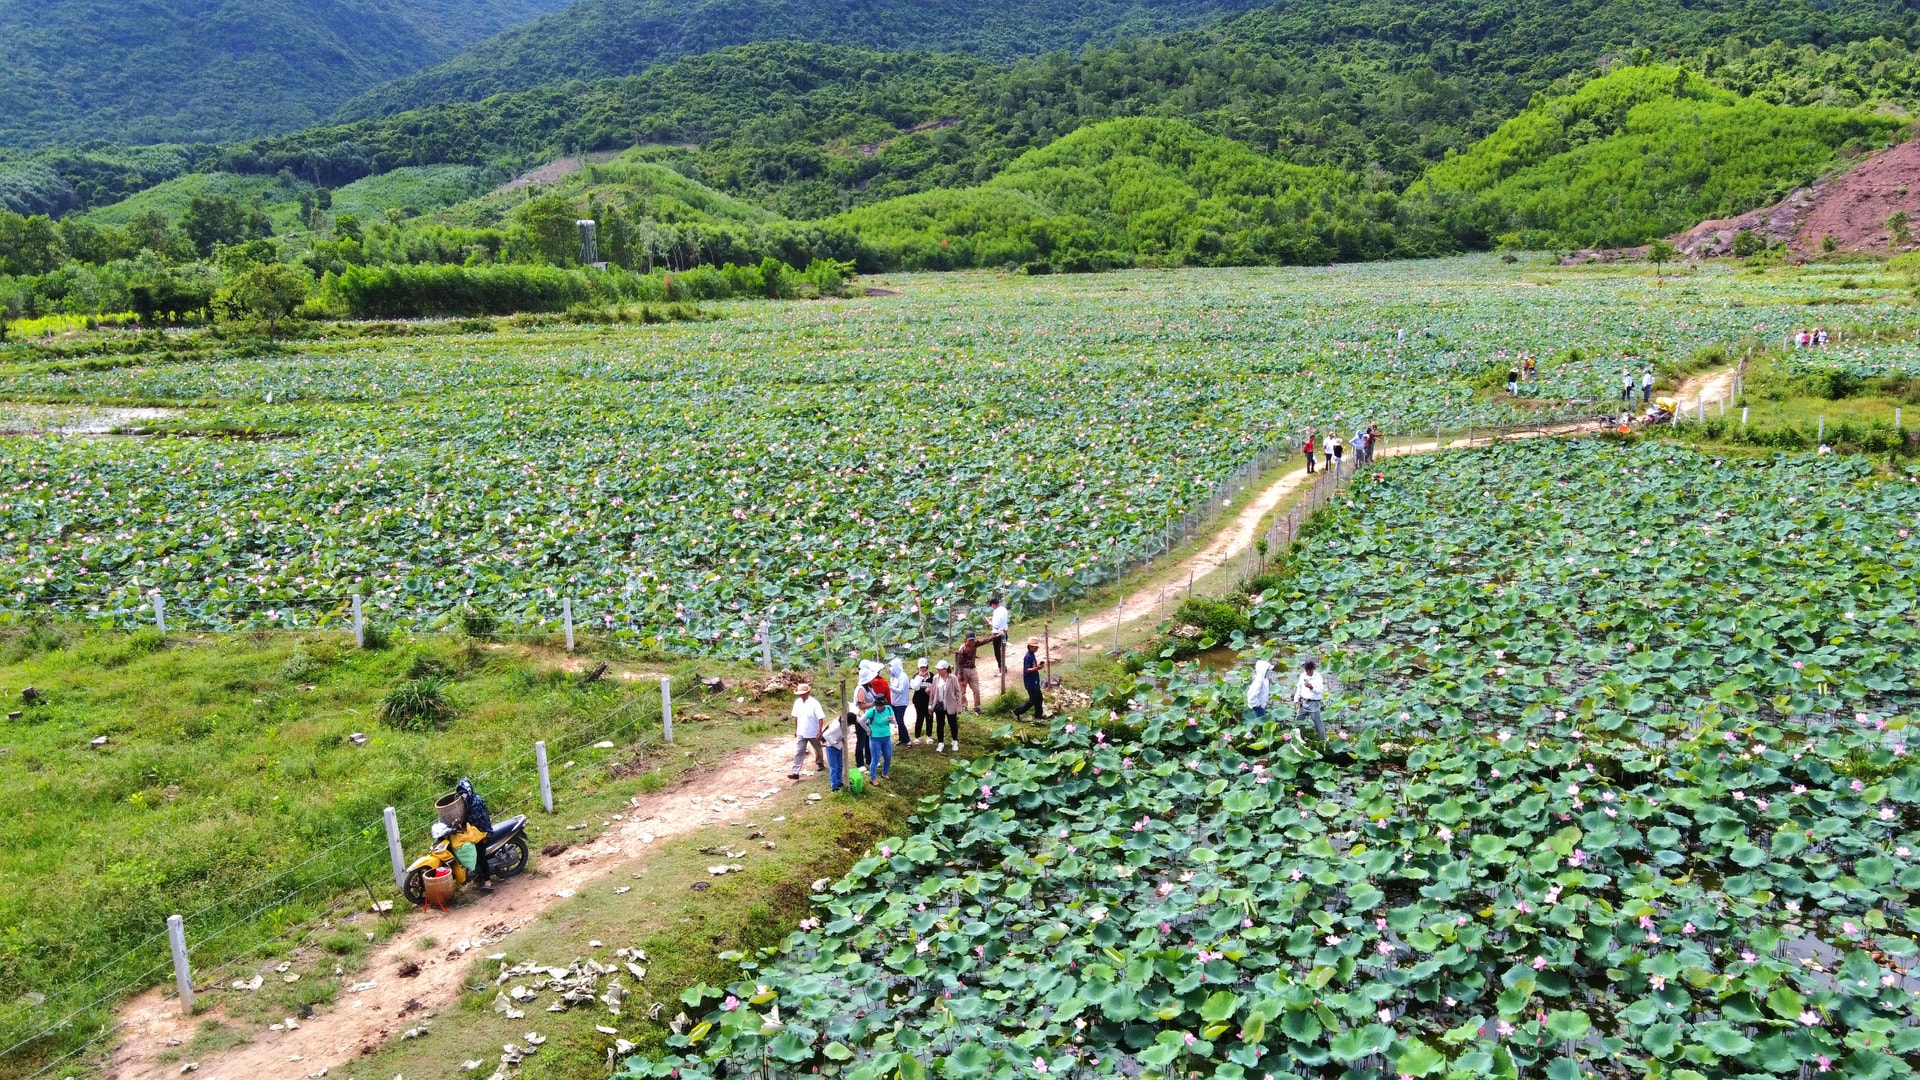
1535	841
1158	192
213	220
267	292
73	71
602	38
478	623
1195	373
1637	154
544	232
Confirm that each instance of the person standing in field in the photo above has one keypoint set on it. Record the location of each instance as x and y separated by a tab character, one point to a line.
880	736
946	697
837	736
1309	691
1309	449
1513	381
922	686
967	661
1260	691
1626	386
1030	667
1333	451
1646	385
872	689
998	622
899	696
807	718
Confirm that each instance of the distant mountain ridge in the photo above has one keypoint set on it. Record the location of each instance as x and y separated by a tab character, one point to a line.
594	39
139	71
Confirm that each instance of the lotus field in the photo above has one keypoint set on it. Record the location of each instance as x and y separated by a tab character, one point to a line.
1617	785
835	470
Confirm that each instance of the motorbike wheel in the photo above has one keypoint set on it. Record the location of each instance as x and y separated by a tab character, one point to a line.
510	859
415	889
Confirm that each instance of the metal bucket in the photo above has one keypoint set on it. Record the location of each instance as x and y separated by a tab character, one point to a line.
453	810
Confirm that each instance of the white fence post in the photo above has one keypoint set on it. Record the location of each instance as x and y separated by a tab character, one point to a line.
182	976
394	851
1743	415
160	613
359	624
566	617
546	785
666	706
1896	419
766	643
1118	610
1823	429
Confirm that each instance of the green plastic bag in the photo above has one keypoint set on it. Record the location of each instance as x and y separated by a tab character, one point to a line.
857	781
468	855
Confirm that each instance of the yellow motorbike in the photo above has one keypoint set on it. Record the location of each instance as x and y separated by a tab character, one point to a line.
506	848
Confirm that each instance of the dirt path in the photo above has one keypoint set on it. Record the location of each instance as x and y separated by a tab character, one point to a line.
1708	386
356	1023
1234	539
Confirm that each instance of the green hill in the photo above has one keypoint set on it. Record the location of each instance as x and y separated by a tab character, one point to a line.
604	38
1383	89
182	70
1138	191
1639	153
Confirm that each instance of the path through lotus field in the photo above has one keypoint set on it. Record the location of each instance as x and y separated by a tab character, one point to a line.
839	471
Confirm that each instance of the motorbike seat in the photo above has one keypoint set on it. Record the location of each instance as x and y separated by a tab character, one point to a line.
504	829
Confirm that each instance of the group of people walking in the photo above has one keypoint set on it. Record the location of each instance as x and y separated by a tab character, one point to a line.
1810	339
935	694
1333	451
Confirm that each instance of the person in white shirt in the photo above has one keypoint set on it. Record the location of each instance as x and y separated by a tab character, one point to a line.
1646	385
1260	691
1308	693
807	718
998	622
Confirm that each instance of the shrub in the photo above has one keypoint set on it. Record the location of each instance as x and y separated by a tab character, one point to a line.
418	705
478	622
1217	619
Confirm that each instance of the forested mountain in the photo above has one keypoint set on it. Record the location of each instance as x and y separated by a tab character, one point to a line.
1379	88
192	70
596	39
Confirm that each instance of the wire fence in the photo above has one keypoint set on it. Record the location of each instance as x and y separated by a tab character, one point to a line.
908	617
294	903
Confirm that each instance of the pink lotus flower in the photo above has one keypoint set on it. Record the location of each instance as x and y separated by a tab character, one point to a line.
1539	963
730	1004
1810	1018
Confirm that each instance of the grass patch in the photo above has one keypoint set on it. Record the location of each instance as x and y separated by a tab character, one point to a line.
236	796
